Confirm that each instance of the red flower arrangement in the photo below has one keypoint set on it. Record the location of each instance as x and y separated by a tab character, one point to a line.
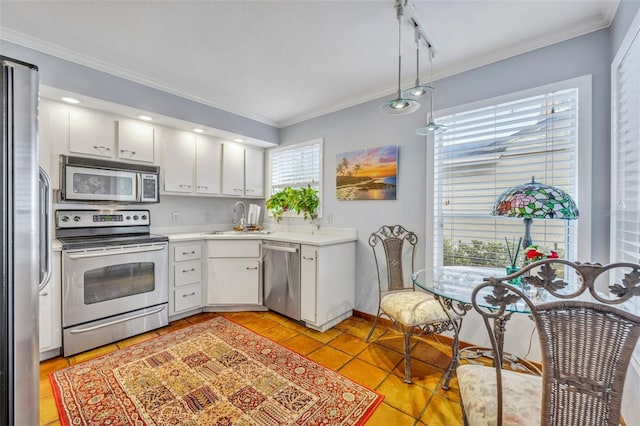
534	253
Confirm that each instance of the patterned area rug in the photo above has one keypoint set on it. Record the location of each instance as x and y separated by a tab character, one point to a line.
214	373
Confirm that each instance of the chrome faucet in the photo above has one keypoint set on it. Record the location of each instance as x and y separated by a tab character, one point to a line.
242	219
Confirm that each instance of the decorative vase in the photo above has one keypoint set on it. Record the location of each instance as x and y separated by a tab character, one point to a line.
512	270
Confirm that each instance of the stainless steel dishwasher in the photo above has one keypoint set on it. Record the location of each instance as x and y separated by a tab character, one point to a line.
281	265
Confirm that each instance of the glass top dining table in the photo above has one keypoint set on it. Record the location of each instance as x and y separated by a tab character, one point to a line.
461	291
457	294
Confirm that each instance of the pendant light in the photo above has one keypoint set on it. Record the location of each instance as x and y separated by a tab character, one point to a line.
431	126
419	89
399	105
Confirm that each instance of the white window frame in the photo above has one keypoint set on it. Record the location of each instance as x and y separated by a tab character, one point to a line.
319	141
632	32
584	138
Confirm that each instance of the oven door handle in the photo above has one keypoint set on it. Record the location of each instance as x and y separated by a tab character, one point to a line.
118	321
114	252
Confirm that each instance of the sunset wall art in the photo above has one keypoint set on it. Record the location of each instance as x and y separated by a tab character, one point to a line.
369	174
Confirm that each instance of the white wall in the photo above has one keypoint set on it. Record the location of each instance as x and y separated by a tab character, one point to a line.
363	127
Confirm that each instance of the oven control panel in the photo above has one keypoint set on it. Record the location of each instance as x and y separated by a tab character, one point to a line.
101	218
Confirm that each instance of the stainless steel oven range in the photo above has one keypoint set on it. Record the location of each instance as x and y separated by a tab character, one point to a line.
114	276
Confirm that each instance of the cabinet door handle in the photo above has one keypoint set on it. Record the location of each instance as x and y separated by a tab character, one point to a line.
188	252
193	293
99	147
248	268
308	258
44	294
188	270
250	190
237	189
203	186
132	153
184	186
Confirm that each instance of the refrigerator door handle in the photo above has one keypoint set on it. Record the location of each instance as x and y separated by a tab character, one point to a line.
46	239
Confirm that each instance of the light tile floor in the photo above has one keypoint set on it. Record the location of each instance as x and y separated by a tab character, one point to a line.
378	365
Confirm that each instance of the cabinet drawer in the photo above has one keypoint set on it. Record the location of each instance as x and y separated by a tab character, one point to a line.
187	272
187	252
233	248
187	298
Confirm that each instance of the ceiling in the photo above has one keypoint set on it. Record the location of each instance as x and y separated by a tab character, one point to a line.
282	62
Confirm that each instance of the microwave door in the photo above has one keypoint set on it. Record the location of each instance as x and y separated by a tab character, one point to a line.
90	184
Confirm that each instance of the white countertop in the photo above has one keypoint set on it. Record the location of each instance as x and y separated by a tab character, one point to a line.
316	238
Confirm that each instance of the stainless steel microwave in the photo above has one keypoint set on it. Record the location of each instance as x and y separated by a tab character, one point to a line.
94	180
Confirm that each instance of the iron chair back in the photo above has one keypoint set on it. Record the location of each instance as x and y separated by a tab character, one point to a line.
395	241
586	346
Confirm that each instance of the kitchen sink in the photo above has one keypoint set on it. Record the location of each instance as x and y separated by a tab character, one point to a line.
237	233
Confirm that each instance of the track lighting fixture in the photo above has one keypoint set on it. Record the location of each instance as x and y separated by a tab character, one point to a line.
431	126
399	105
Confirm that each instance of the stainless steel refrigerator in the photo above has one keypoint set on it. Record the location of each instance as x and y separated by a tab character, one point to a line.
20	231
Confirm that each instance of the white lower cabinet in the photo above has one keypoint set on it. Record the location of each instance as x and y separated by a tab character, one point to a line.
234	275
233	281
327	279
185	278
50	334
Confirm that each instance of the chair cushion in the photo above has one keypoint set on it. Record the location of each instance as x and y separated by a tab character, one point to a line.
521	396
412	308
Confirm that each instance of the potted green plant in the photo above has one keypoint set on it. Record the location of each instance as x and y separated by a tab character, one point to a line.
303	201
280	202
307	202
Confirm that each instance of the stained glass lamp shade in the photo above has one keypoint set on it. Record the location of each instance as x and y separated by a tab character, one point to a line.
534	200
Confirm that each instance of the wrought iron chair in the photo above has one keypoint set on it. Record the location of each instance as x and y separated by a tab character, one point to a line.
585	341
412	312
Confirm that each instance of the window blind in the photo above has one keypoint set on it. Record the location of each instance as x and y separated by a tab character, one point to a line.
625	154
296	167
484	152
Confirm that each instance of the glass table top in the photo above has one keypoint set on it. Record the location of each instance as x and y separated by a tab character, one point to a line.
461	291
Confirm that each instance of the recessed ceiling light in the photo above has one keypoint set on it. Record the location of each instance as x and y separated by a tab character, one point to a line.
238	140
71	100
145	118
198	130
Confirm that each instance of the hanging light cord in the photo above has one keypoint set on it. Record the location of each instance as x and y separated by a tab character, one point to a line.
433	91
417	56
400	13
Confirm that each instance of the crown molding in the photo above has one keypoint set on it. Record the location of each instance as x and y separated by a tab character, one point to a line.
90	62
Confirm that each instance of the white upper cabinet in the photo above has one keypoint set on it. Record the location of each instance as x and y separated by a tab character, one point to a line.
191	163
232	169
254	172
82	131
135	141
91	132
242	170
208	162
179	148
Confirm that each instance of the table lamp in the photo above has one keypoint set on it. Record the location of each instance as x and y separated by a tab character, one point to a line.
534	200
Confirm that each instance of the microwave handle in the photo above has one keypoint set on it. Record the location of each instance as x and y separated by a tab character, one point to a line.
139	186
